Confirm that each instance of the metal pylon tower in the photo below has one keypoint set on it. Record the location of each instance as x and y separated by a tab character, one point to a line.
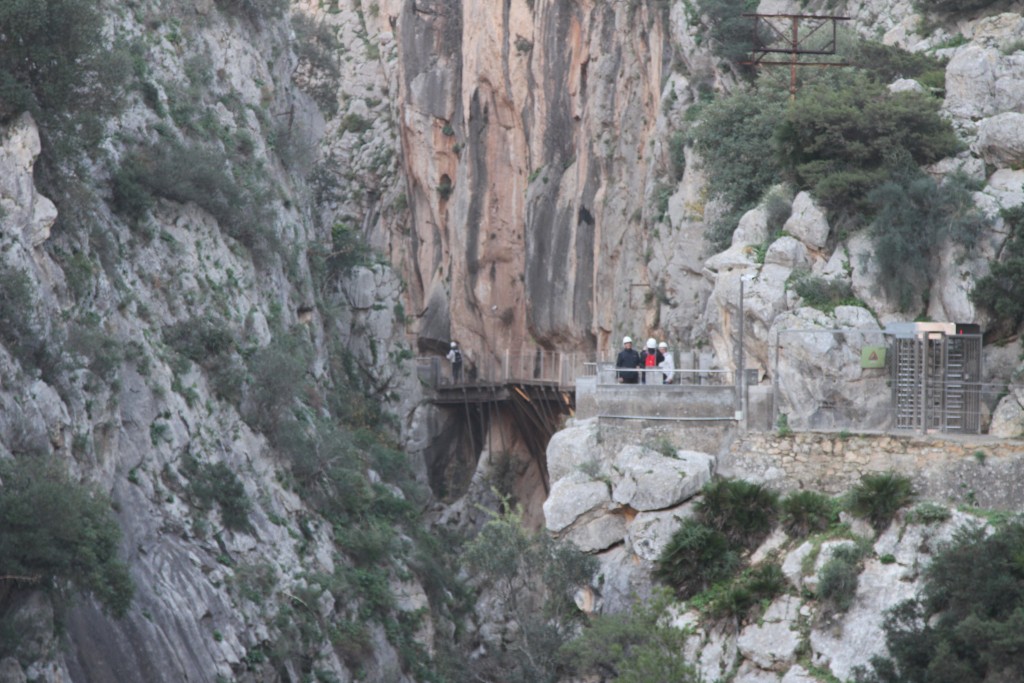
797	36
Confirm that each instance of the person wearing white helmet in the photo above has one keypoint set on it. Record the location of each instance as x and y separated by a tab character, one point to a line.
627	362
650	359
455	356
668	366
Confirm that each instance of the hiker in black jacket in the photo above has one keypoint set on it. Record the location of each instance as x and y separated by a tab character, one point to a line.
627	363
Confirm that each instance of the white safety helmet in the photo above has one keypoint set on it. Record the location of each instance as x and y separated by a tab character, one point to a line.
651	344
627	340
454	345
662	345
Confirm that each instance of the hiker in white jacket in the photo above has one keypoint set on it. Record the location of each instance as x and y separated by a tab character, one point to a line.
668	365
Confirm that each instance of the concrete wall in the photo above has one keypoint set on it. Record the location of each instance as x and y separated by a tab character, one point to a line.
960	470
672	402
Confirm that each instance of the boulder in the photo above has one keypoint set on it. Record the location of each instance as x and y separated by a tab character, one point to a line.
1001	139
1006	186
752	228
571	497
981	81
906	85
820	383
807	223
646	480
788	252
598	533
1007	419
792	565
573	448
738	256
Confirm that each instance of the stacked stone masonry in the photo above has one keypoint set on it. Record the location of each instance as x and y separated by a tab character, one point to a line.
972	471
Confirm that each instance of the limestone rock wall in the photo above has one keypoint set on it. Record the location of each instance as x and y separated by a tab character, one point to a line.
532	134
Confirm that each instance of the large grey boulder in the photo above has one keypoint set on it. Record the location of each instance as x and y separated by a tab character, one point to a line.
1001	139
752	228
1008	418
788	252
598	533
571	497
981	82
573	448
807	223
646	480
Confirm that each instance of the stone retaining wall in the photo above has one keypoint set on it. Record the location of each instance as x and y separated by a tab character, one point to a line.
959	470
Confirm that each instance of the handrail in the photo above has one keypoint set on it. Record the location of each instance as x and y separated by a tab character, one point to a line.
553	367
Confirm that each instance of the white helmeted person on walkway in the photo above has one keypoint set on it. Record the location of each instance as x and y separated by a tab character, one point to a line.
668	365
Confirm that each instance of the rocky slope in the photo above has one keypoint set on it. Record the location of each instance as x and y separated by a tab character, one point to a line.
511	164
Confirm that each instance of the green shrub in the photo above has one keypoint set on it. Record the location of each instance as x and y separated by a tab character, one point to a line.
535	578
317	45
638	646
837	580
56	533
257	11
738	598
744	512
278	375
999	291
209	343
912	217
823	293
735	137
807	512
19	323
103	353
966	625
928	513
838	137
886	63
696	557
216	483
778	207
877	498
728	30
55	59
782	425
234	194
952	7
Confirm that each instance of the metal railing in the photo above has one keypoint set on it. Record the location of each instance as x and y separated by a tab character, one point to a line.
607	374
539	366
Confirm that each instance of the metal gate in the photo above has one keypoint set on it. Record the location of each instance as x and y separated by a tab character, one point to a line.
936	377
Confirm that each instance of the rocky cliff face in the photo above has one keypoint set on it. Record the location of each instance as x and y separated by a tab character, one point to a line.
511	162
534	135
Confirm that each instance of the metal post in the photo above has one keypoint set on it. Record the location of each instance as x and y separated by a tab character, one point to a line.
923	350
739	364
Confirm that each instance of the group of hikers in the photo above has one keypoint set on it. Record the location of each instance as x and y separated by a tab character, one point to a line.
641	368
631	367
